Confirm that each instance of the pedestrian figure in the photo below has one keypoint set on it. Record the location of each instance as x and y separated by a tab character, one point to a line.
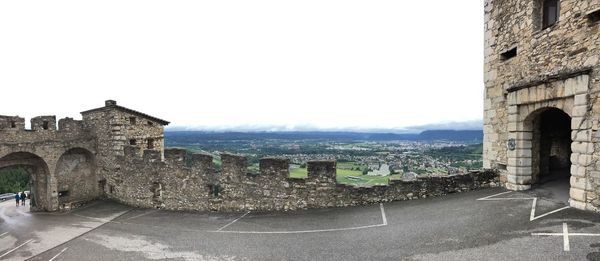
17	198
23	197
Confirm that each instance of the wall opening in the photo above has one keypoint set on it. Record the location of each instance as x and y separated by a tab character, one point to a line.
594	17
150	144
550	13
551	152
36	181
509	54
45	125
132	120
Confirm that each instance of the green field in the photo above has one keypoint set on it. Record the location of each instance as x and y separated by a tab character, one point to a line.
347	173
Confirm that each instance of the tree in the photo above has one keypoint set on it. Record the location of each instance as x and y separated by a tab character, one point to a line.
13	180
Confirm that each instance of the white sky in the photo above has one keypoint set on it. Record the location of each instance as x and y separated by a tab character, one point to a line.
329	64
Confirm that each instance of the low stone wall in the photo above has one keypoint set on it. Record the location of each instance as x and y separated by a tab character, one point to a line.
189	182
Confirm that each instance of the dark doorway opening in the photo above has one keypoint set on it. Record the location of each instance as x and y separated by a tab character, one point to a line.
551	157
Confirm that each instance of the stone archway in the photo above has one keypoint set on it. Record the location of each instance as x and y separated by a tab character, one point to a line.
550	150
40	179
565	101
76	177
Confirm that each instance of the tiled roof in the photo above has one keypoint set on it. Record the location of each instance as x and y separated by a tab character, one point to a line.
113	105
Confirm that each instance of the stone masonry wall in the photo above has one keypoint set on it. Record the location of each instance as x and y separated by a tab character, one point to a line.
555	67
189	182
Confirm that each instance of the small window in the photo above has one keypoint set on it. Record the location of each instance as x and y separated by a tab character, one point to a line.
13	124
45	125
594	17
150	123
150	144
550	13
64	193
501	166
132	142
132	120
509	54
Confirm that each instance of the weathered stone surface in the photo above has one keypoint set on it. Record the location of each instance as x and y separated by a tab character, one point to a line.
555	67
96	157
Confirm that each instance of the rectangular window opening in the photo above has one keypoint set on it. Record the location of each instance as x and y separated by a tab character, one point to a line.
13	124
509	54
594	17
64	193
150	144
550	13
132	142
132	120
45	125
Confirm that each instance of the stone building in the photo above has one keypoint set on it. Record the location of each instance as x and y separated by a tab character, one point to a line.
118	153
542	85
76	162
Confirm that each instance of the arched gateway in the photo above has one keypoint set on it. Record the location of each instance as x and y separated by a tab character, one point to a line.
40	185
549	139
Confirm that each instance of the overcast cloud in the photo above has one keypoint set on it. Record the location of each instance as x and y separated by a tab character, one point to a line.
222	64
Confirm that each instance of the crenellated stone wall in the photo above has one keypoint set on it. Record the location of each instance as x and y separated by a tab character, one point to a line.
189	182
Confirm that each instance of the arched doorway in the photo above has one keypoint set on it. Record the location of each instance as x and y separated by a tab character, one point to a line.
551	151
39	176
76	177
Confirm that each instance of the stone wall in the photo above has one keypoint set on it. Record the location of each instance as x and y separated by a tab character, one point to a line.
189	182
528	69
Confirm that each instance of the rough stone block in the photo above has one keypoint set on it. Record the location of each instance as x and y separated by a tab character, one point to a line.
325	168
274	166
519	180
519	162
581	99
577	194
579	183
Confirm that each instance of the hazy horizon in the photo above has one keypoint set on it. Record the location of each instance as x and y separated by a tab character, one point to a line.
469	125
230	64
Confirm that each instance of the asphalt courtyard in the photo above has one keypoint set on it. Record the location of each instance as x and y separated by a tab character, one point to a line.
491	224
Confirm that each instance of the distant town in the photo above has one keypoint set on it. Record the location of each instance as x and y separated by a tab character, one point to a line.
362	159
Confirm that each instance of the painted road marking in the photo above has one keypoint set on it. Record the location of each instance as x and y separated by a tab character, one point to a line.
566	245
532	215
143	214
1	235
59	253
235	220
383	219
12	250
565	235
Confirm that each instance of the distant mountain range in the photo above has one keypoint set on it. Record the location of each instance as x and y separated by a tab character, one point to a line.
182	137
462	125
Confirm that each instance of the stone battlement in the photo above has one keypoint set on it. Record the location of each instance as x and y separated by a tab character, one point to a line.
118	153
185	181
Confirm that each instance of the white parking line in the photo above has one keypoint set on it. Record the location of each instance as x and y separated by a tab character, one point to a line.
1	235
235	220
566	245
12	250
532	215
59	253
383	219
143	214
565	235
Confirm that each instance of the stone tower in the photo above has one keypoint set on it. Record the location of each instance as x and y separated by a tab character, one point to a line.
541	95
